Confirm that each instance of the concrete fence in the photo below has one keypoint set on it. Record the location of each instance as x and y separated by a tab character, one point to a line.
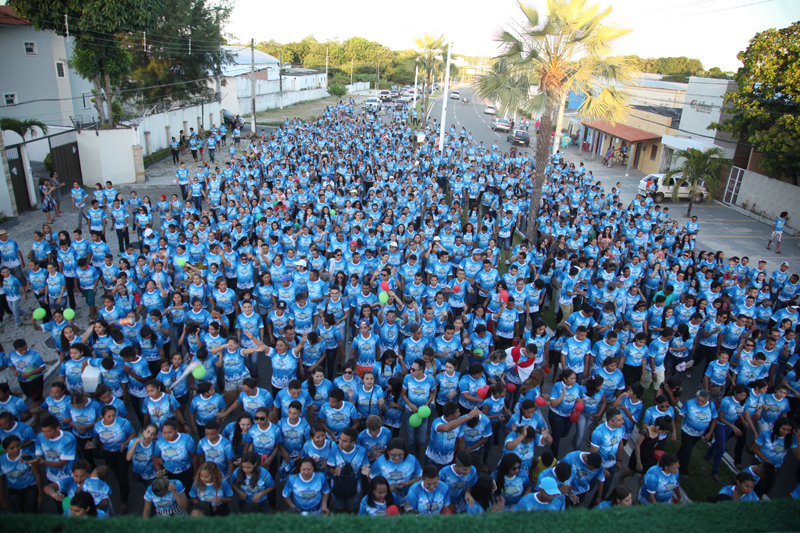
765	198
268	94
156	130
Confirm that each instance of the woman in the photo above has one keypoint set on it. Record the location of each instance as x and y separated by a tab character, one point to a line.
24	482
771	446
562	402
594	404
47	191
167	496
698	420
661	482
209	486
644	456
252	483
399	467
379	497
369	398
160	406
175	453
481	498
82	505
140	455
114	434
235	432
307	489
742	491
619	496
729	422
511	484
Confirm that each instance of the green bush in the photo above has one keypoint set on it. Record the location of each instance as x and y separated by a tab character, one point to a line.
727	517
48	162
337	90
157	157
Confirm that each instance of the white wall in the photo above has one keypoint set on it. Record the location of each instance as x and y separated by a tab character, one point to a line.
107	155
272	100
157	124
768	198
704	100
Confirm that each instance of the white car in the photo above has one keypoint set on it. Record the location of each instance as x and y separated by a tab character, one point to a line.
663	188
372	104
455	95
489	110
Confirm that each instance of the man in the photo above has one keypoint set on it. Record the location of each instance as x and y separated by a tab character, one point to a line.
447	434
428	496
460	477
777	231
11	254
548	498
607	441
349	454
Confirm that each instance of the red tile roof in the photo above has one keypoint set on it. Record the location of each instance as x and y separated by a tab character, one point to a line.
626	133
10	18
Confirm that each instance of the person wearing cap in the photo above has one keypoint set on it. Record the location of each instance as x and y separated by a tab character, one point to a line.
547	498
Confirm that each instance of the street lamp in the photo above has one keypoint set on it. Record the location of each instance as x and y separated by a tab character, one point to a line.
445	98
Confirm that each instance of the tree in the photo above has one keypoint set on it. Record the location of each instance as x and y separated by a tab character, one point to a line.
169	70
505	87
563	51
97	54
428	56
337	90
697	166
766	105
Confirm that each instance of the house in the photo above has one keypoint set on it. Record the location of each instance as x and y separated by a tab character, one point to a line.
300	79
236	80
649	90
35	78
37	82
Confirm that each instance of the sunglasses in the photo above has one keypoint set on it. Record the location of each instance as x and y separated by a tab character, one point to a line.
261	418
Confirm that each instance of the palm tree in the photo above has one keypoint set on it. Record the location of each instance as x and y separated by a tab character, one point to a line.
428	55
563	50
23	128
698	166
502	85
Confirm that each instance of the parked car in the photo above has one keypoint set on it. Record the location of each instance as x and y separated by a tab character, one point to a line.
455	95
519	137
395	93
407	97
489	110
665	186
501	124
372	104
385	96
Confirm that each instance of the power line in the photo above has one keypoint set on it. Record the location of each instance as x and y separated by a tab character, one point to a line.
717	10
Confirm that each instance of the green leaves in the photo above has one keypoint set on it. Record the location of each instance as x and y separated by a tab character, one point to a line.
22	127
696	166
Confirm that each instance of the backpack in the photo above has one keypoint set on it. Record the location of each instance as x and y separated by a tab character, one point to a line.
345	485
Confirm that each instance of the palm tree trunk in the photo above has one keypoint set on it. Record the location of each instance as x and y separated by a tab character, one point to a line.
559	122
542	156
691	200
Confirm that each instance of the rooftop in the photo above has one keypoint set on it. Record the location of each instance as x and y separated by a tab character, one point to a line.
626	133
242	61
9	17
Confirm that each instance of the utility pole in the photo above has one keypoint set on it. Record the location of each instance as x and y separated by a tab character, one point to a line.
416	73
377	76
66	25
280	76
445	98
352	60
326	64
253	84
218	66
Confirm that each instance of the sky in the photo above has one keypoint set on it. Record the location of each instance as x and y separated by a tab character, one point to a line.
713	31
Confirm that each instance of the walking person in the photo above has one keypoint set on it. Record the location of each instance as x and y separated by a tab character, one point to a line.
777	231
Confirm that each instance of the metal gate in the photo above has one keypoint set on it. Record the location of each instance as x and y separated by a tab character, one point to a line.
732	189
18	181
66	159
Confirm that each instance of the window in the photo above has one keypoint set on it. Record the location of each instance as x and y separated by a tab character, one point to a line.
61	71
87	100
30	49
653	152
10	98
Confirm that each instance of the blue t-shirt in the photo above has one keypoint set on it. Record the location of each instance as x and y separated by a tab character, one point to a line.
425	502
306	495
176	455
658	483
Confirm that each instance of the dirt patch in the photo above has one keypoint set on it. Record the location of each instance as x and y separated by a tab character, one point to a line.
304	110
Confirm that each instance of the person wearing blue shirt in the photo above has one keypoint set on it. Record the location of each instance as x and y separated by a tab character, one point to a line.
771	446
547	498
23	481
565	393
114	433
777	231
419	390
204	407
587	469
607	441
252	483
661	482
175	453
576	352
307	489
208	487
742	490
698	420
347	452
140	454
55	448
264	438
459	477
445	432
428	496
336	415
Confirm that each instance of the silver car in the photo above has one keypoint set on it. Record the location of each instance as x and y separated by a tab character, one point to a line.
501	124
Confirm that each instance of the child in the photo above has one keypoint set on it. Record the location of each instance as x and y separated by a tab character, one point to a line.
777	232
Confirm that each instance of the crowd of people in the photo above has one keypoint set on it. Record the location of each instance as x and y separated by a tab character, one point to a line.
378	283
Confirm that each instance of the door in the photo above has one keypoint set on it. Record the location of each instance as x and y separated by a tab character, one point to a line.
67	163
18	181
636	155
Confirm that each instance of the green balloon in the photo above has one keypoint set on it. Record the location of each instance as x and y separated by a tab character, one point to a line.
66	502
69	314
383	297
479	352
296	225
274	202
258	216
333	211
424	411
415	420
180	262
199	372
39	313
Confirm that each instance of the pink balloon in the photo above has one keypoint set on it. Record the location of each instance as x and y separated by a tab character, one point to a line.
456	288
385	285
504	295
